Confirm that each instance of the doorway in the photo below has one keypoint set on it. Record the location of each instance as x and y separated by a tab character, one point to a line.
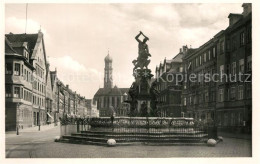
34	119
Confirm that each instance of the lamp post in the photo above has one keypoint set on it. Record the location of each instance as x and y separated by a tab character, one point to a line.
39	120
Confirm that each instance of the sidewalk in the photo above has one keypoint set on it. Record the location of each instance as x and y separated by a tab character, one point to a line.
31	129
235	135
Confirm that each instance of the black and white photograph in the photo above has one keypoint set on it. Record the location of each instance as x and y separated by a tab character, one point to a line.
129	80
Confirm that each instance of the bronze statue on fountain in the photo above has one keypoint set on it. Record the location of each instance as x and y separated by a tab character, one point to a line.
143	53
140	89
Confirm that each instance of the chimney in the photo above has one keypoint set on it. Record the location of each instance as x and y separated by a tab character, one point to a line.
247	8
233	18
184	49
67	86
180	50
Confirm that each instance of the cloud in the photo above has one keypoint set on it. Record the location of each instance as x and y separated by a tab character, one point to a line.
206	14
79	77
17	25
68	67
67	63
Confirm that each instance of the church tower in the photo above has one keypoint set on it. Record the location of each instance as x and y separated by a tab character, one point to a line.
108	76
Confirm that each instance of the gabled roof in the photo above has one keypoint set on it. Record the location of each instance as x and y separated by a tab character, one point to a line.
115	91
111	91
8	47
30	38
178	58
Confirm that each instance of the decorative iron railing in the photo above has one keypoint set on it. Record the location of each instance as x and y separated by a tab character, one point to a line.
142	122
137	125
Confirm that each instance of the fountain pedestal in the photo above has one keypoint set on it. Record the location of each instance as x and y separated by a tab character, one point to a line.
140	93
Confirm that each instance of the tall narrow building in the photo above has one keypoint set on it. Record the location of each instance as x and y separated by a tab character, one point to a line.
108	74
28	98
110	96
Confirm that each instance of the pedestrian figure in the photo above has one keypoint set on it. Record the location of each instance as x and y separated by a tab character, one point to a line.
112	111
112	119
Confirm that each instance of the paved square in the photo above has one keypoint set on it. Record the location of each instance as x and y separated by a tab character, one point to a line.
41	145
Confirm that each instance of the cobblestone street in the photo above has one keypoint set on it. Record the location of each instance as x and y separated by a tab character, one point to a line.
41	144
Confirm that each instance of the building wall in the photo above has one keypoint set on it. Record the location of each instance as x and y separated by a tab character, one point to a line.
236	108
10	116
18	89
199	95
49	97
229	103
169	98
29	84
39	89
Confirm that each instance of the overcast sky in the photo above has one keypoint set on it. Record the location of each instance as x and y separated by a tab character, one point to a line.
77	37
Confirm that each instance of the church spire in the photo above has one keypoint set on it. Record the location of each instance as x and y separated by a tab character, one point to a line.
108	76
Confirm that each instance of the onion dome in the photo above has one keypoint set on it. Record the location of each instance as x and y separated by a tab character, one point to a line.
108	58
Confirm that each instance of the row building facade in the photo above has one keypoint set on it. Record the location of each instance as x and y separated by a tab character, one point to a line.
33	94
225	98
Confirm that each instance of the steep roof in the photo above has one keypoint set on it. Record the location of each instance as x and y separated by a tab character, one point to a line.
111	91
30	38
191	50
19	44
8	46
178	58
115	91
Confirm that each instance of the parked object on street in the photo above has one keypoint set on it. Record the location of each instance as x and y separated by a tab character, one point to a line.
212	142
111	142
